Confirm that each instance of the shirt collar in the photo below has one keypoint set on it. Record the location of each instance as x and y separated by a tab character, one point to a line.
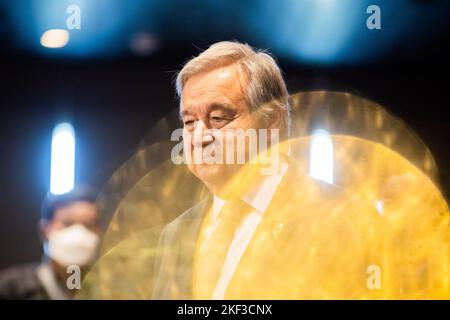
259	195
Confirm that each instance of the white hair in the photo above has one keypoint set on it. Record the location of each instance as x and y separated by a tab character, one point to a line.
265	89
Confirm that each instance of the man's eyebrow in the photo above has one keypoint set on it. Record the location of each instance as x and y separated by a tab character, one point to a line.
213	106
185	113
221	106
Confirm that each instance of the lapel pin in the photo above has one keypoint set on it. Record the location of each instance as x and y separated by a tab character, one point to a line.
277	230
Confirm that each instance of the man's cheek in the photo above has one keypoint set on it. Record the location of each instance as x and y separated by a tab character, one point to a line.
228	145
187	147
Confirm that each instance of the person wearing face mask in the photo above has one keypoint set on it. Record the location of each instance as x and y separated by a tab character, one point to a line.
70	232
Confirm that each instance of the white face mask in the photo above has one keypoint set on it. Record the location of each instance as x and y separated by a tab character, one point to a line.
73	245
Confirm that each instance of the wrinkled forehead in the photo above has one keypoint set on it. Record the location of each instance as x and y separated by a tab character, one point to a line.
224	86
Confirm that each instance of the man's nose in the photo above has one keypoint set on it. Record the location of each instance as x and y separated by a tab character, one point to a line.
202	135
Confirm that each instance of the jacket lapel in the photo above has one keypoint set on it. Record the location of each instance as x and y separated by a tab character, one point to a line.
188	234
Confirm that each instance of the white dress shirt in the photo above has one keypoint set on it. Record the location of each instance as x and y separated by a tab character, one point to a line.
259	198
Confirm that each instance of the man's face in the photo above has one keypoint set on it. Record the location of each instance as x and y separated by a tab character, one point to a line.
215	100
79	212
72	236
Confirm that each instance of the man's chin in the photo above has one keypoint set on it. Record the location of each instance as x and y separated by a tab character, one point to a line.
211	172
214	176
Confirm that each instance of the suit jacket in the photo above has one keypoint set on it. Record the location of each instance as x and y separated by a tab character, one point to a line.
307	245
22	283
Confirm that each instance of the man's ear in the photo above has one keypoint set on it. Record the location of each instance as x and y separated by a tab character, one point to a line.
44	229
276	114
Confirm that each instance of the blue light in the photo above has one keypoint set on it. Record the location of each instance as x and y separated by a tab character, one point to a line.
62	170
105	25
333	32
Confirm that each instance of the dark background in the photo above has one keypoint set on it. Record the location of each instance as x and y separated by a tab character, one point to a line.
113	95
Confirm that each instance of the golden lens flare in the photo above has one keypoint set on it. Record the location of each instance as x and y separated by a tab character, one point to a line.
380	231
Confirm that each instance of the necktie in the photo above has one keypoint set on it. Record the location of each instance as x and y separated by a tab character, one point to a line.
212	249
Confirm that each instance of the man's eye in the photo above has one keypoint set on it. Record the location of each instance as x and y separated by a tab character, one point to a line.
189	122
217	118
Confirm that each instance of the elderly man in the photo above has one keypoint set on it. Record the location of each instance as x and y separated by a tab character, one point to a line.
256	236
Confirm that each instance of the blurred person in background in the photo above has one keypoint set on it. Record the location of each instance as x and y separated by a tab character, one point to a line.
70	232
